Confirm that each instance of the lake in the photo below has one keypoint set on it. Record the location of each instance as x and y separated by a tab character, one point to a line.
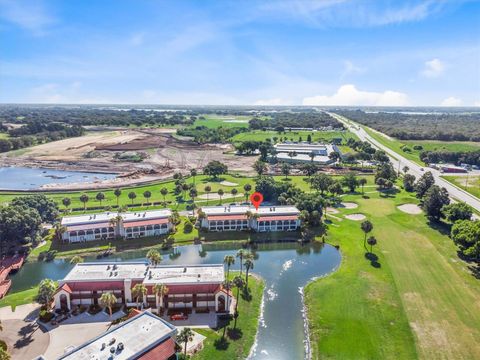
285	267
23	178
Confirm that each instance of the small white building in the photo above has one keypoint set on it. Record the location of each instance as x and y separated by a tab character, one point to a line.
110	225
245	217
303	151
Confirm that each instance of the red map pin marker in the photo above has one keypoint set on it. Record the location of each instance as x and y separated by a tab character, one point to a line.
256	199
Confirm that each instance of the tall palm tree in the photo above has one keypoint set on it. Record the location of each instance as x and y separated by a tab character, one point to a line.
247	188
207	189
164	192
185	187
248	266
66	202
366	227
147	195
372	241
84	199
241	254
228	285
117	194
132	196
108	300
59	230
228	260
160	290
362	182
234	193
154	257
239	284
220	193
193	173
139	291
184	337
100	197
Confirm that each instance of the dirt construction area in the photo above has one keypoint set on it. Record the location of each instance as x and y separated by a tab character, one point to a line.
138	155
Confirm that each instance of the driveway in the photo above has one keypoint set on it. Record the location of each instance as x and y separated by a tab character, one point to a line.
24	338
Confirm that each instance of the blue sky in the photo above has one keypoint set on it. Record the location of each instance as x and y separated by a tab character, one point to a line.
326	52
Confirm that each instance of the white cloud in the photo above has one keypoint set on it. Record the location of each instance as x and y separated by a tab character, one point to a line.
349	95
344	13
350	68
271	102
29	15
452	101
433	68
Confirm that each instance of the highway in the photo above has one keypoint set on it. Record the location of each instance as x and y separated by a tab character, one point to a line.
399	162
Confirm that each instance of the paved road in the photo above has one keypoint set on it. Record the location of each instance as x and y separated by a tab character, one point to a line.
399	162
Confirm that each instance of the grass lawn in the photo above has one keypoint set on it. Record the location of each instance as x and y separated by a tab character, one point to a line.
421	302
469	183
259	135
19	298
238	342
414	155
215	121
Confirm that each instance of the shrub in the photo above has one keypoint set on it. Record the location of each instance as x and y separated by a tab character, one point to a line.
188	228
94	309
45	316
3	345
418	147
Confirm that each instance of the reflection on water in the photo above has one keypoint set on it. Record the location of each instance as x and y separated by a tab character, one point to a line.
286	268
22	178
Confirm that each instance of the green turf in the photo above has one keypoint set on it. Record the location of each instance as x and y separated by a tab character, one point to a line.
216	121
469	183
19	298
363	312
247	324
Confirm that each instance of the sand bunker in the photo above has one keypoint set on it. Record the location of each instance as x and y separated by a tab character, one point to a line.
215	196
348	205
410	209
356	217
228	183
331	210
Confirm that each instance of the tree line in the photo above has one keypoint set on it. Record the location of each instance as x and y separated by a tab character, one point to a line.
439	126
282	120
456	157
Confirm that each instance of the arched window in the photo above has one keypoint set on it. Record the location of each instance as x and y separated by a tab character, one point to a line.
164	226
97	231
149	227
89	232
81	233
73	233
104	230
157	226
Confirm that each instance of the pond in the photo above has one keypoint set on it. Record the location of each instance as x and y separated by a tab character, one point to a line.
23	178
286	268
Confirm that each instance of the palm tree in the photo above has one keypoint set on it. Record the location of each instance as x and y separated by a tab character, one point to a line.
248	266
84	199
66	202
228	260
366	227
193	173
132	196
372	241
117	194
234	193
59	230
207	189
184	337
76	259
241	254
247	188
147	195
164	192
154	257
108	300
160	290
185	187
239	284
220	193
312	155
362	182
139	291
406	169
100	196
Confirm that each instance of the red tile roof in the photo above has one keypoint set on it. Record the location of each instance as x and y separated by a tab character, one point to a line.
145	222
65	287
227	217
160	352
278	217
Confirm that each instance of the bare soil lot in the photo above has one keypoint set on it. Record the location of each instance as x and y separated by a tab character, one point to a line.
98	152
